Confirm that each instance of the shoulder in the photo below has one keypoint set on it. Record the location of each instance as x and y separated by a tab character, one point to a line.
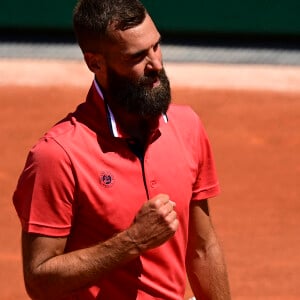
51	147
185	123
60	137
185	118
183	114
47	155
183	111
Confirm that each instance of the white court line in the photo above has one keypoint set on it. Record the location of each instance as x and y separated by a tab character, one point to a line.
28	72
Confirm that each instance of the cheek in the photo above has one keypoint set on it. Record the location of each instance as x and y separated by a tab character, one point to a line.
133	72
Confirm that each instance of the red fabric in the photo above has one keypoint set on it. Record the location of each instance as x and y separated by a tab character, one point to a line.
80	181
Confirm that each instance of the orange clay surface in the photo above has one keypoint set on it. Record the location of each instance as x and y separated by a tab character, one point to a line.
252	115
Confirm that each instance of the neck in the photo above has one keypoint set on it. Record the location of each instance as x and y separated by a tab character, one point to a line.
135	126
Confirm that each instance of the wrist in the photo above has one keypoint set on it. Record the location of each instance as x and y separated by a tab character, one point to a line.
133	241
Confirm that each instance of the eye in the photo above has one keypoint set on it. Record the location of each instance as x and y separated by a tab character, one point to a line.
139	56
156	46
135	58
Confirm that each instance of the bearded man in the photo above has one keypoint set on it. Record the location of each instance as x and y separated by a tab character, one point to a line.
113	199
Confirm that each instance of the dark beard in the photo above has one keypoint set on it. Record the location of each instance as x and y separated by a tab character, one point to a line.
136	97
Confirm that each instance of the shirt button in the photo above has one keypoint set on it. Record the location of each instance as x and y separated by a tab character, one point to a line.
153	183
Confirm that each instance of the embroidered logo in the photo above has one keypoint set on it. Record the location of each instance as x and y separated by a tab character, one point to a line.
106	179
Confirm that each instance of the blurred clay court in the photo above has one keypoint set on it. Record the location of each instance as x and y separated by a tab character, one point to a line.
251	110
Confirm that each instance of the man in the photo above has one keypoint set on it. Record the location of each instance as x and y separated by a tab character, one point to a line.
113	199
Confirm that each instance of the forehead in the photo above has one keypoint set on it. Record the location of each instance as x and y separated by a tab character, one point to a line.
141	37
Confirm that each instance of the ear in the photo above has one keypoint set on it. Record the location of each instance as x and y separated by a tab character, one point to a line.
94	61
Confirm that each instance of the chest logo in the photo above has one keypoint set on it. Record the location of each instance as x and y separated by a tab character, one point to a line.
107	179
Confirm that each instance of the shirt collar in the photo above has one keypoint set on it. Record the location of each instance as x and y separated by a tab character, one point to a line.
111	119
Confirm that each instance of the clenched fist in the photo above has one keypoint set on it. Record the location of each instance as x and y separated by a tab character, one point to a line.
155	223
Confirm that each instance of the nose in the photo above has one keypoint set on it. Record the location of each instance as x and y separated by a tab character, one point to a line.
154	60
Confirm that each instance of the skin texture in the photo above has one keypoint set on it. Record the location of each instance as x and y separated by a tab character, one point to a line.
205	264
51	274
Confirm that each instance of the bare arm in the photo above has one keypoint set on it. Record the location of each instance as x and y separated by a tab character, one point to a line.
205	264
50	273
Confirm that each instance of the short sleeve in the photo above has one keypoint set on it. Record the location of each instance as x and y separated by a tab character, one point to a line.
206	184
45	191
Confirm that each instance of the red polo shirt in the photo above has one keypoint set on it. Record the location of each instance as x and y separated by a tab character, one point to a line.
82	180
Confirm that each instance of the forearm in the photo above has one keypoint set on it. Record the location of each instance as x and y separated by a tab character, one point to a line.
52	274
207	274
63	274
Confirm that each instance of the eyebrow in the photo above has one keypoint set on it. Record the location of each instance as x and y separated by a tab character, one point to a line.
144	51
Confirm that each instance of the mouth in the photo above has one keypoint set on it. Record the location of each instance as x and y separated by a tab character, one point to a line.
156	82
152	82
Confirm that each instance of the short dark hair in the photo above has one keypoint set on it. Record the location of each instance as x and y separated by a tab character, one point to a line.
92	18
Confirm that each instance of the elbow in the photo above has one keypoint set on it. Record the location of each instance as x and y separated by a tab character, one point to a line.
36	290
39	293
39	288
